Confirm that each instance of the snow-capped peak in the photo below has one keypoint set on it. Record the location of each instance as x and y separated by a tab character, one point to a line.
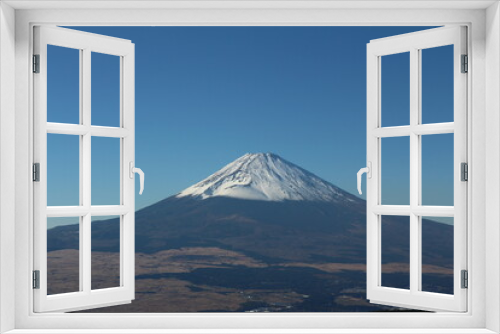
268	177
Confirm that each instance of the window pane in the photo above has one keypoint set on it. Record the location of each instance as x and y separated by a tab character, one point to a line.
241	254
437	84
105	90
437	254
63	255
395	251
63	85
395	90
105	252
63	170
437	169
105	171
395	171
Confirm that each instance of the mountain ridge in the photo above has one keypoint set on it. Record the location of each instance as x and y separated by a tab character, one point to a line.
267	177
271	230
308	249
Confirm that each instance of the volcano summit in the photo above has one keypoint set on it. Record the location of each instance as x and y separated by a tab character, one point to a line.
265	177
261	231
263	206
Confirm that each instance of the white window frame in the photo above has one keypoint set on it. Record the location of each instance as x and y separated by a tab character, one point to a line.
85	297
414	43
482	19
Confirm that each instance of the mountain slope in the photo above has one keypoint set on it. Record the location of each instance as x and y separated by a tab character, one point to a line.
270	209
266	177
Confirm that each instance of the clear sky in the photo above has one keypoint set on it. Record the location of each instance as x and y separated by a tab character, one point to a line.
207	95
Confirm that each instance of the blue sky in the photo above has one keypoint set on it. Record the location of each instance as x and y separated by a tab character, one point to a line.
207	95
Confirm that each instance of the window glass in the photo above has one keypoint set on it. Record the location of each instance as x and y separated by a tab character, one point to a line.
437	84
437	255
63	85
249	137
63	170
395	252
395	170
106	171
437	169
105	252
105	90
395	89
63	255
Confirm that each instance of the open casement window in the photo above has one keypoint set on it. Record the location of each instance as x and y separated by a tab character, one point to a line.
410	138
67	274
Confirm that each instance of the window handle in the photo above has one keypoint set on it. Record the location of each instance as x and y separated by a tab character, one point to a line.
139	171
368	171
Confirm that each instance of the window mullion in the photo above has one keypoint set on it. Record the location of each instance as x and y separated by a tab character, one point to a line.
85	253
414	170
85	165
82	258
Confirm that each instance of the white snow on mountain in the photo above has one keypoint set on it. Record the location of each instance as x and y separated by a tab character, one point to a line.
268	177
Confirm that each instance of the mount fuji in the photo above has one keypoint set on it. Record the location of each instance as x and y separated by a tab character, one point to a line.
265	207
266	177
262	233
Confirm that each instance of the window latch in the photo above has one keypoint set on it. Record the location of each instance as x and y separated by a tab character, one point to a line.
368	171
139	171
